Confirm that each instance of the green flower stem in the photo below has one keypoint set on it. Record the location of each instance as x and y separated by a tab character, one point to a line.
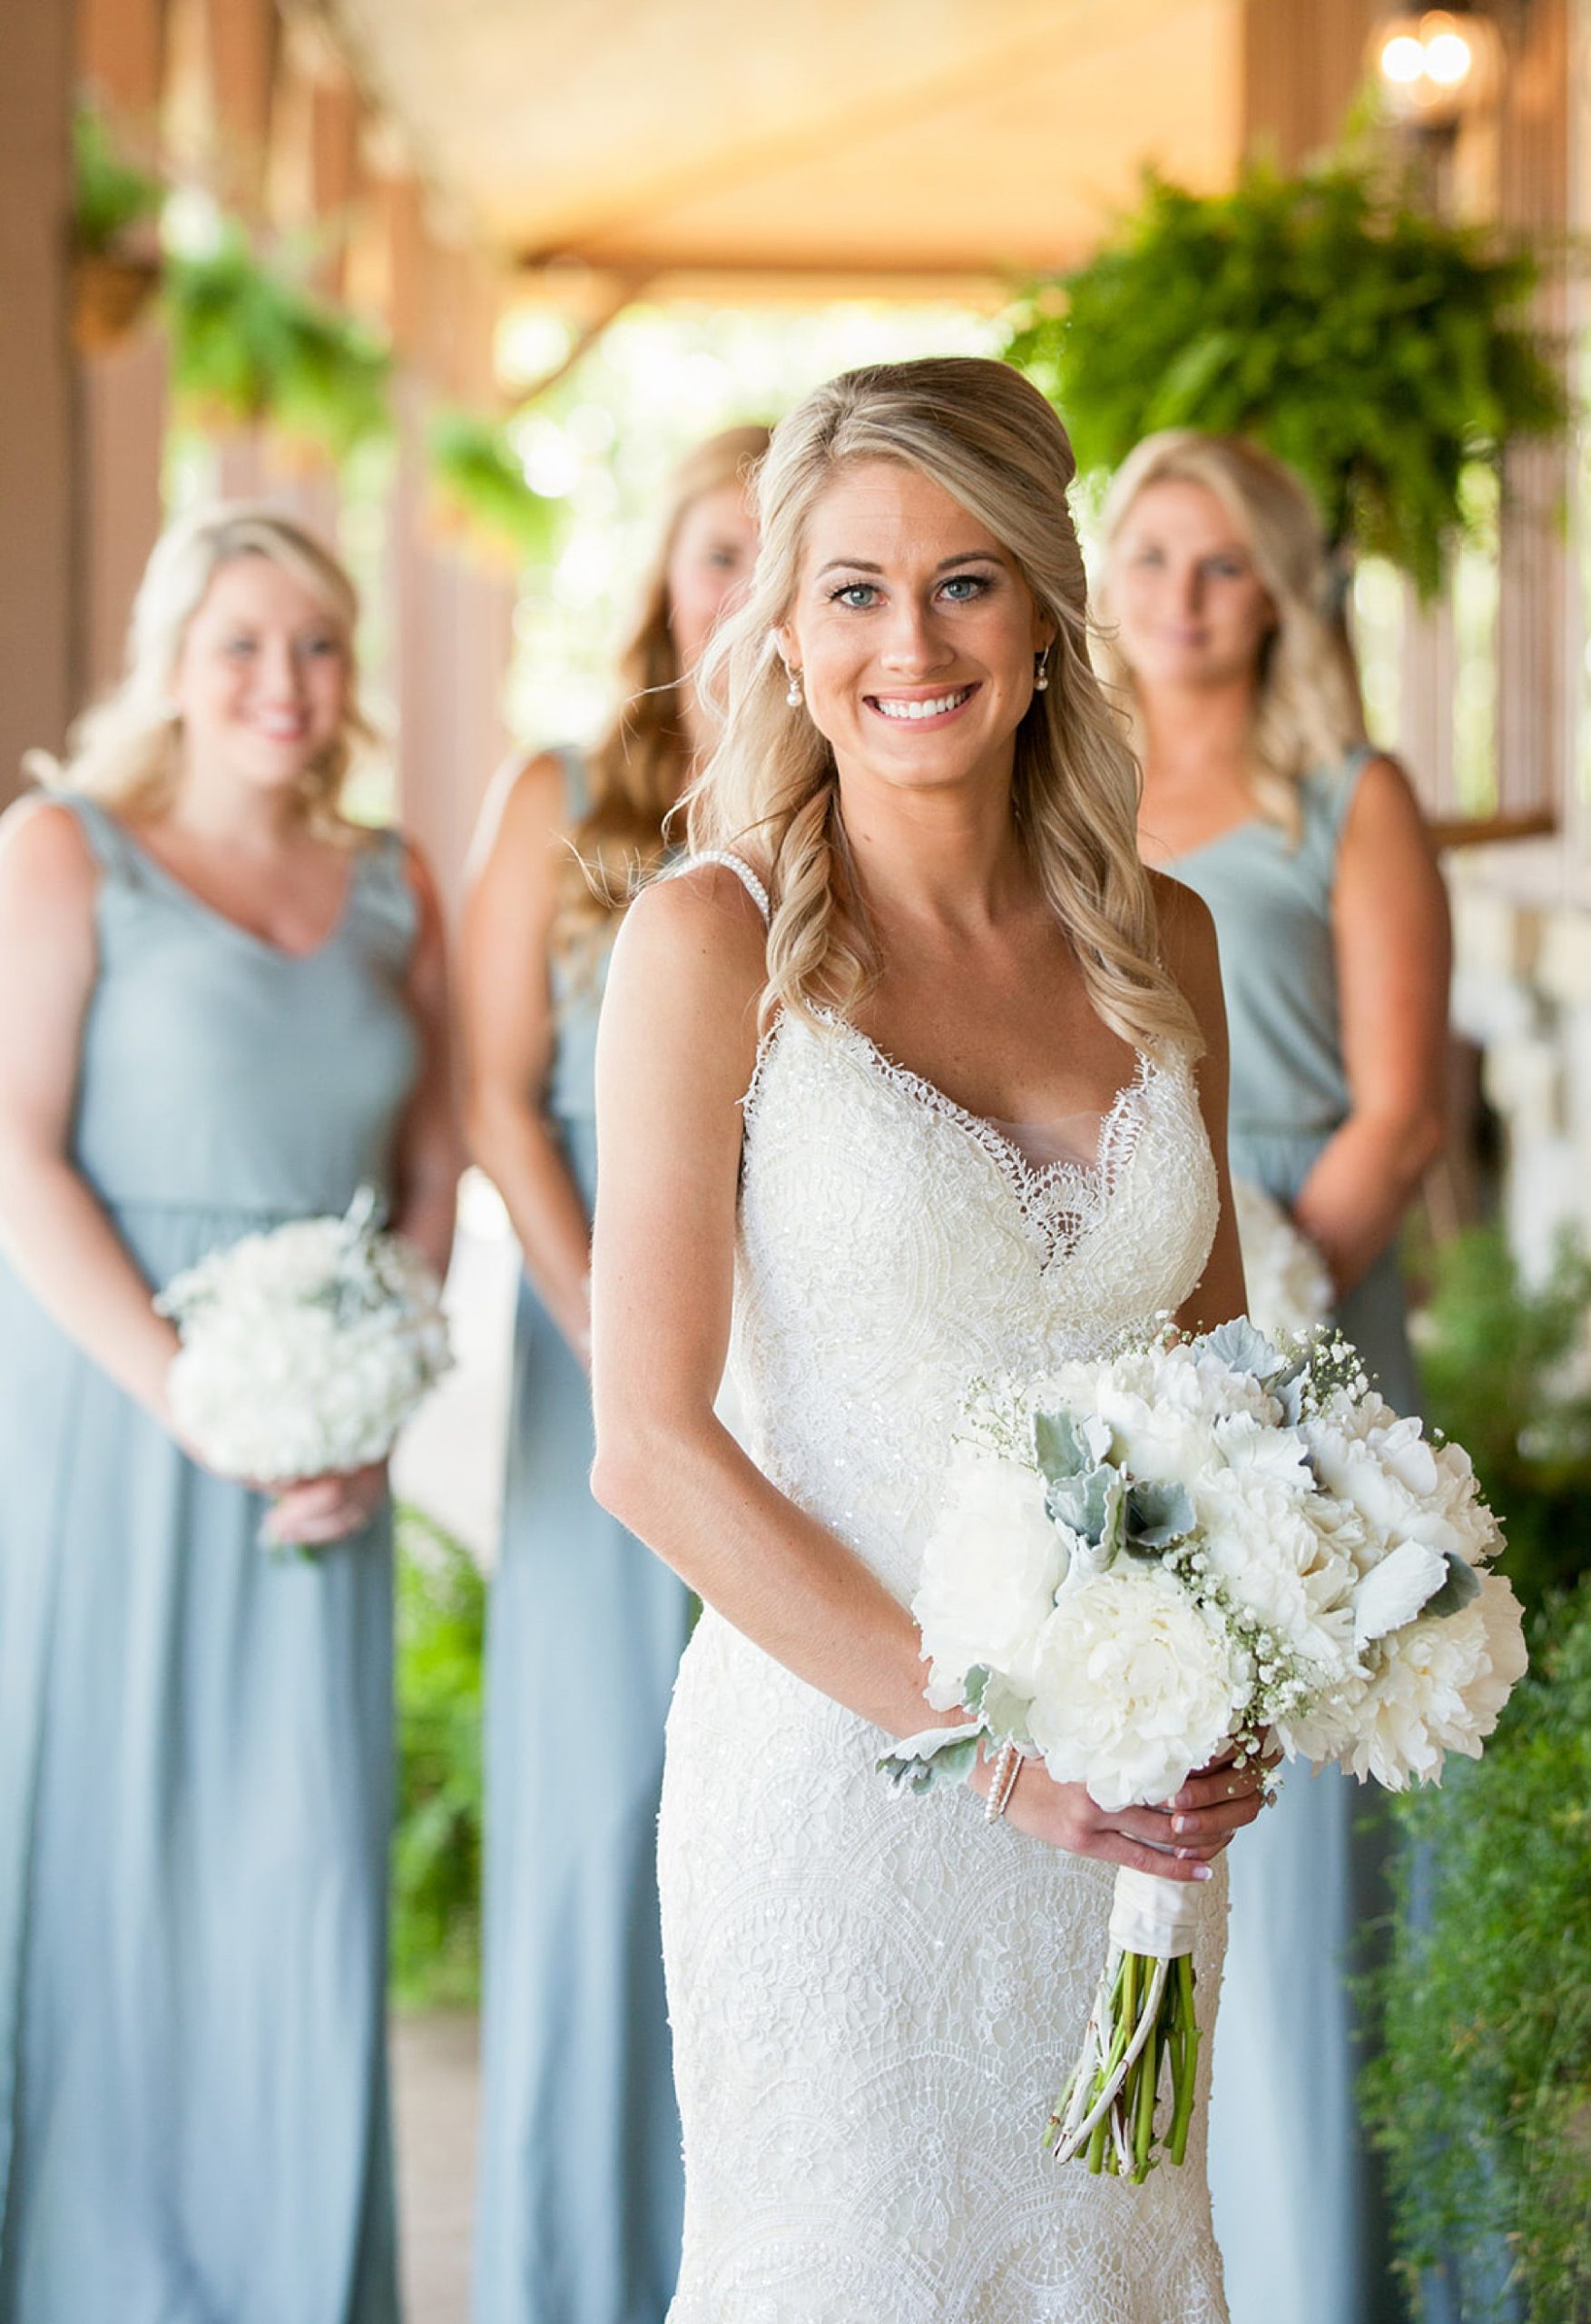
1106	2114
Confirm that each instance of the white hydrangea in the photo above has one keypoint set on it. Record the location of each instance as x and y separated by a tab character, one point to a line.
1436	1684
304	1348
990	1573
1135	1688
1289	1288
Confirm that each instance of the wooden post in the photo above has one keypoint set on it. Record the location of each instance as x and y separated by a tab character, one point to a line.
1302	61
1536	610
122	390
37	678
453	626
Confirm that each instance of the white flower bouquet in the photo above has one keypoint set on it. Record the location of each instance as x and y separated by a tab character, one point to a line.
1290	1291
304	1349
1191	1548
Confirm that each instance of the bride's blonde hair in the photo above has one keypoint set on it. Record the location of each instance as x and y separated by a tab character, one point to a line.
984	434
127	749
1307	712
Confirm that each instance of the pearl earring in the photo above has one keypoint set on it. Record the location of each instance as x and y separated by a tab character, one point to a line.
1041	672
793	696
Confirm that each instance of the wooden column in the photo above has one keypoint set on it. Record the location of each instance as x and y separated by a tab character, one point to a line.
37	681
121	392
453	631
122	425
1537	684
242	42
1302	63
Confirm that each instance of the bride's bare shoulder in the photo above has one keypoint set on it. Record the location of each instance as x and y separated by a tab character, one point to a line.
692	954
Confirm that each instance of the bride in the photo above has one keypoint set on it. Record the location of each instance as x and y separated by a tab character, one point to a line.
911	1075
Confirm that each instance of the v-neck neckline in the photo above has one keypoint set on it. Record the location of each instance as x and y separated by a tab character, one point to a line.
190	896
987	1134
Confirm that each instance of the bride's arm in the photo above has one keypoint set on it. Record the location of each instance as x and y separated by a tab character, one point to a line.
675	1056
1188	945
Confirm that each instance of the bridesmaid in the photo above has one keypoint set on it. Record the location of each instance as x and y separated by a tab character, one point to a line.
581	2189
221	1006
1308	845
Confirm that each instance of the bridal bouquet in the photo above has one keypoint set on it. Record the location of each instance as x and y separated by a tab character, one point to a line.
1290	1291
304	1348
1191	1548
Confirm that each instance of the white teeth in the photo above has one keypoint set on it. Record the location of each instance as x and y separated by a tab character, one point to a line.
933	709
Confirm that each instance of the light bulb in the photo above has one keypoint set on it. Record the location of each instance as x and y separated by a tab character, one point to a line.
1403	59
1447	59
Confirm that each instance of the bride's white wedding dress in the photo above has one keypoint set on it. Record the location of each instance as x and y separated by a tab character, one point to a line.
876	1999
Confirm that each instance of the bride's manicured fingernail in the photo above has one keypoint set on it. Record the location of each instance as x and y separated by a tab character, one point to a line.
1203	1871
1182	1823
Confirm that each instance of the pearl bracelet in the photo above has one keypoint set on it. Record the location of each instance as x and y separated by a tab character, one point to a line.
1003	1783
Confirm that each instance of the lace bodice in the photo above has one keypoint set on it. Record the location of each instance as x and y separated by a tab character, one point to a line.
874	1999
894	1247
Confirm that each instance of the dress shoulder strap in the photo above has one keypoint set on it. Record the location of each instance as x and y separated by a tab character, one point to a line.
1327	794
576	789
111	848
742	871
383	898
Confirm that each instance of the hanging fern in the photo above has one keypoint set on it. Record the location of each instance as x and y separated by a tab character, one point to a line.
110	196
479	483
248	344
1379	349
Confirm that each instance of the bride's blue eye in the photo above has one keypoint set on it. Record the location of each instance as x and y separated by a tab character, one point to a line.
849	592
972	585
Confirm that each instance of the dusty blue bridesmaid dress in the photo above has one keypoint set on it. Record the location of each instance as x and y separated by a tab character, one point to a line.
1298	2213
582	2187
195	1735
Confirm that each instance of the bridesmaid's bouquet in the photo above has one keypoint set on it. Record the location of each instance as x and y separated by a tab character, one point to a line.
304	1348
1190	1548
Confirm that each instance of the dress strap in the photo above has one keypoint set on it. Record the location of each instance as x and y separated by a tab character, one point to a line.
742	871
111	848
576	789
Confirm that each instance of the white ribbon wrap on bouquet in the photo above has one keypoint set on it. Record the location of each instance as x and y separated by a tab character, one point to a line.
1159	1917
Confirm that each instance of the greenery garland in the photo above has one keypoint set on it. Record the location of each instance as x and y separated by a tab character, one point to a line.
1378	349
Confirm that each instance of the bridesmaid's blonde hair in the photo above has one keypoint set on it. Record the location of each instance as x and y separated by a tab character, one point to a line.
634	773
125	750
1307	711
984	434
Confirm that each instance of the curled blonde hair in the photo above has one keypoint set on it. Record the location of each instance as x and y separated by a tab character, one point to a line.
127	749
634	773
982	433
1307	711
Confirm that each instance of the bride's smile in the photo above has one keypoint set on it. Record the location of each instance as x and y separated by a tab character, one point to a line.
916	638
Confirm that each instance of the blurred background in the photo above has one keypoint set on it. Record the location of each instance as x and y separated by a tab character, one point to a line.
458	280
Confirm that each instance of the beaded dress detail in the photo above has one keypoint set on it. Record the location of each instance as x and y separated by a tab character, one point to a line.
876	2000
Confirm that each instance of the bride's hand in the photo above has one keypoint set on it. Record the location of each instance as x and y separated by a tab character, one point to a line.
1175	1841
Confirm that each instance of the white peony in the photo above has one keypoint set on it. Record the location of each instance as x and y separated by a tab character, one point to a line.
1134	1687
990	1573
1290	1291
1266	1542
1404	1487
1435	1686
